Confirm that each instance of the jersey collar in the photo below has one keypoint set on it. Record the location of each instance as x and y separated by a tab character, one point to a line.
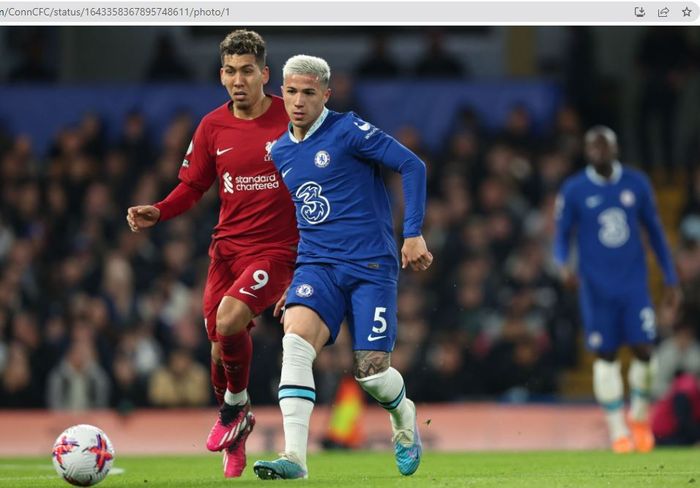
314	127
601	181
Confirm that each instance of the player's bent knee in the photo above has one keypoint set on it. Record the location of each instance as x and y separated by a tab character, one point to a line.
307	324
232	316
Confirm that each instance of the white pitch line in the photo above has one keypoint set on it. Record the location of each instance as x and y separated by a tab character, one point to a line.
20	467
25	478
26	467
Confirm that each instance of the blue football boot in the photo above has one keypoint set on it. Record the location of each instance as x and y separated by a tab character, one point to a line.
407	446
287	467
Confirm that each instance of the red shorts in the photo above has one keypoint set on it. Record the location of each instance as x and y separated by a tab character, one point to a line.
257	281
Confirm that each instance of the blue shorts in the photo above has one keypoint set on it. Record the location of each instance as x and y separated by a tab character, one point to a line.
336	292
612	321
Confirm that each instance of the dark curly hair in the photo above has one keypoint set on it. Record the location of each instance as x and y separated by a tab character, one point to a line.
244	41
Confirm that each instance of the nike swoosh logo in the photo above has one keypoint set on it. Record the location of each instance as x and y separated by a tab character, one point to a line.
242	290
365	127
372	338
219	152
284	173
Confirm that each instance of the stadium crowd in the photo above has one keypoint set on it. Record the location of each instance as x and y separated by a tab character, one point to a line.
93	315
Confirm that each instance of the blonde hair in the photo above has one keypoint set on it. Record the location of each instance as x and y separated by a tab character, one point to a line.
302	64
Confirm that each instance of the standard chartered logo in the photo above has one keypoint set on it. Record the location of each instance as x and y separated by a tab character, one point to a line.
260	182
250	183
228	183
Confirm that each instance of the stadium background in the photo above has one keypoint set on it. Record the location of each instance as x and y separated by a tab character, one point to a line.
93	120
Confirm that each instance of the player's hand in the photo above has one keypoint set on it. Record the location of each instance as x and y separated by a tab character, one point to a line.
673	296
415	253
568	278
142	217
279	306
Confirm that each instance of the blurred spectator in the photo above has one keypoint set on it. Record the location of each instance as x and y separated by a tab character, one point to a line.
580	72
676	417
662	59
18	386
265	368
343	99
181	383
692	203
519	135
135	142
518	364
679	352
379	62
333	364
78	382
567	138
437	62
451	375
130	390
688	265
93	134
166	64
141	348
34	65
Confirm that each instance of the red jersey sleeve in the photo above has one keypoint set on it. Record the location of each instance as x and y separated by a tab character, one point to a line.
180	200
198	169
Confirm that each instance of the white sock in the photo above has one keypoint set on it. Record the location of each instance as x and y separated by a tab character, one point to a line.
609	392
297	394
640	378
388	389
236	398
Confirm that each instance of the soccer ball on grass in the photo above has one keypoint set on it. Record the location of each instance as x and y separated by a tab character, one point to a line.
83	455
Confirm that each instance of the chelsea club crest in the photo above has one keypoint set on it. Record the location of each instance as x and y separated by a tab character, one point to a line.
304	291
322	159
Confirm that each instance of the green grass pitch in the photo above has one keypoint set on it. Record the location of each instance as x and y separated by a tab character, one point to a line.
663	468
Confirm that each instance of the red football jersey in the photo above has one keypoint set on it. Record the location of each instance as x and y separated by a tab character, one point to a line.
257	213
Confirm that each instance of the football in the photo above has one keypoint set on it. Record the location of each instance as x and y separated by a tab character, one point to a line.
83	455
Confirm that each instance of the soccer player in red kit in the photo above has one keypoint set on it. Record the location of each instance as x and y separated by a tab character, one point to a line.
254	244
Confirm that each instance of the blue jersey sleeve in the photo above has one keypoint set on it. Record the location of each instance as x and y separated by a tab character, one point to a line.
565	216
657	239
368	142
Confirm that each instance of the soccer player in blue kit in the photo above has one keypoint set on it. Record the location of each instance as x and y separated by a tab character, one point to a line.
347	264
605	205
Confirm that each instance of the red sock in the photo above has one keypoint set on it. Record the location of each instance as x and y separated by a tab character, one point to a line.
218	381
236	354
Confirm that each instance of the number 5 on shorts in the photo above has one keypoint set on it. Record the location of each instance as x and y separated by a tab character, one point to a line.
378	318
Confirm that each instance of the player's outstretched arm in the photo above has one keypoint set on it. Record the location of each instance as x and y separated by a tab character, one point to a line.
415	253
142	217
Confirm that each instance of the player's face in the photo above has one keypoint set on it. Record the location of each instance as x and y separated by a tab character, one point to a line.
243	79
600	151
304	98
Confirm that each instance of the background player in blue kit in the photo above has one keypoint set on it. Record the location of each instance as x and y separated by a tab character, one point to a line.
347	263
604	206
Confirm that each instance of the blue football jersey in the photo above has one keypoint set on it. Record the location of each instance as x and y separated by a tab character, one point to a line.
606	216
342	206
